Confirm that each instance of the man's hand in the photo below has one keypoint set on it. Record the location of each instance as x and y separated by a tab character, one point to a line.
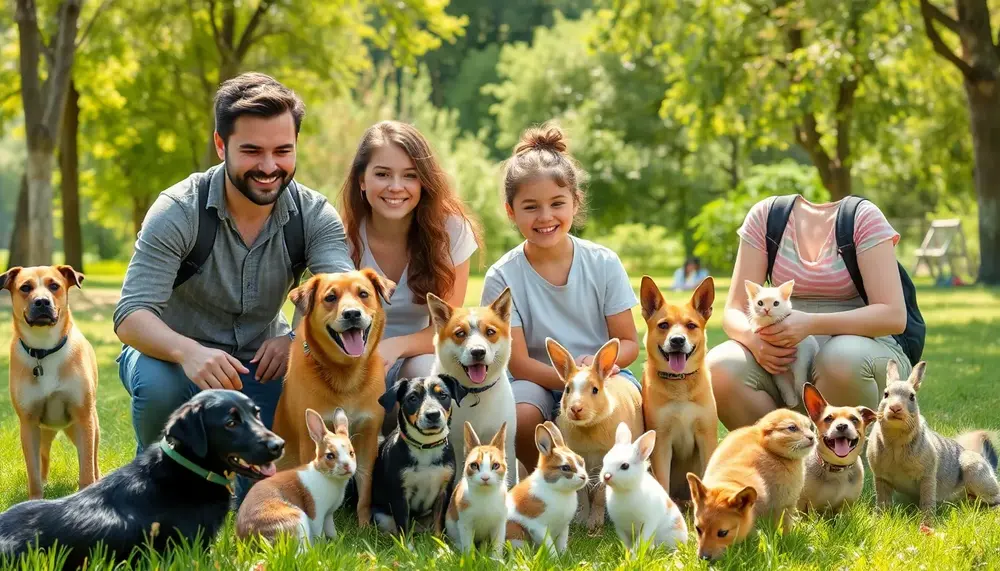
390	353
213	369
272	358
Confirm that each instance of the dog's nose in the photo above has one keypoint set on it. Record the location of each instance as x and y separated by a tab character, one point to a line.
704	557
478	353
41	302
433	415
842	427
275	446
351	314
677	341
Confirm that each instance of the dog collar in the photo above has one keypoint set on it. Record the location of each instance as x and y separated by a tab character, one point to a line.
828	466
479	390
675	376
411	442
40	354
210	476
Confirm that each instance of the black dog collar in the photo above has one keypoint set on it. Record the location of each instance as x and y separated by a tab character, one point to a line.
479	390
675	376
411	442
830	467
40	354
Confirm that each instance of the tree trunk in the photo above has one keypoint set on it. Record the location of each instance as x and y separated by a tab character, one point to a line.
39	219
70	188
140	204
839	184
19	235
984	115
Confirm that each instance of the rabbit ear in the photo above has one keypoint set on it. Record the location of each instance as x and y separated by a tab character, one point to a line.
644	445
623	435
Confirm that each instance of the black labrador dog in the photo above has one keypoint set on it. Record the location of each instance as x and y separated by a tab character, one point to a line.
415	468
175	489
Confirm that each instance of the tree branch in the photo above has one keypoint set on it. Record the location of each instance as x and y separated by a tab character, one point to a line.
26	16
808	137
247	38
215	27
926	10
86	30
57	83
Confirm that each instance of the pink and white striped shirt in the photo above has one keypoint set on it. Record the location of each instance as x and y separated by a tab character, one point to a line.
826	277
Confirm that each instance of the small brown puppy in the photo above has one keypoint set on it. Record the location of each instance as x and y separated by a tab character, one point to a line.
334	363
53	372
834	472
677	399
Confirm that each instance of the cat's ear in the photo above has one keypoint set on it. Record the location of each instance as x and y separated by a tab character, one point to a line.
752	288
785	289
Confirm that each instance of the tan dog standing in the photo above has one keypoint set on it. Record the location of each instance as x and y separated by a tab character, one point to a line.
53	372
334	363
677	399
834	472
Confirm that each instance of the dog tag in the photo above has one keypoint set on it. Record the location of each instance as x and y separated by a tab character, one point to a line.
38	371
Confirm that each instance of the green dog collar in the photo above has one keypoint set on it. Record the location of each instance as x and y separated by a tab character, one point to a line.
210	476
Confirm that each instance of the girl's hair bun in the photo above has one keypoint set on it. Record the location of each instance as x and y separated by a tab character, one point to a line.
544	138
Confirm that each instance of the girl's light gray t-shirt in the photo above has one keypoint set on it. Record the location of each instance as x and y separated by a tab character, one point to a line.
403	316
573	314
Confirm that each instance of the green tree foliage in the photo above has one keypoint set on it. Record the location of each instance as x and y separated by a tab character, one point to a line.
820	75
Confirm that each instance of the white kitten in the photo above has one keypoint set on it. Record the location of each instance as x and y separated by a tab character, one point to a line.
769	305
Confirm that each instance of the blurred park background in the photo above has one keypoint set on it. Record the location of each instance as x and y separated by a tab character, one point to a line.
684	112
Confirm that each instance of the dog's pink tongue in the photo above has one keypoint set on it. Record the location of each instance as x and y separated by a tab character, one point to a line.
841	447
354	342
677	362
477	373
268	469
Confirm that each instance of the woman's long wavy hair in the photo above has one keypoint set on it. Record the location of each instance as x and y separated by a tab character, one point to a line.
430	266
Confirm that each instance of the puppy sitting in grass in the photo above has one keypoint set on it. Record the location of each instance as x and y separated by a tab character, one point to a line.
906	456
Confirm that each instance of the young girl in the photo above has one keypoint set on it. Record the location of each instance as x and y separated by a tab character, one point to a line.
404	220
563	287
855	339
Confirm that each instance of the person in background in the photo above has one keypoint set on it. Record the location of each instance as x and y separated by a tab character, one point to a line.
690	275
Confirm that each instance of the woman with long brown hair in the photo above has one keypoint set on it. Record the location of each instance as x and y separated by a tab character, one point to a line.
404	219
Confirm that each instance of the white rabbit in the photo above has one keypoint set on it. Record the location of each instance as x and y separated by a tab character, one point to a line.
639	507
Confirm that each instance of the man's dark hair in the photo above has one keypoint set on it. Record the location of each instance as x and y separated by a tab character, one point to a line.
256	94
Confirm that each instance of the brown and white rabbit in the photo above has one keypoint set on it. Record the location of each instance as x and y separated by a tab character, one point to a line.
542	505
302	501
594	403
478	507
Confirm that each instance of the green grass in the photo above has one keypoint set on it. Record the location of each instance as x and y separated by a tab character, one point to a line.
959	393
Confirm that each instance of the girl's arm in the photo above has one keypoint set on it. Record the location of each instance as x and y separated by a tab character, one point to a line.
422	342
751	264
523	367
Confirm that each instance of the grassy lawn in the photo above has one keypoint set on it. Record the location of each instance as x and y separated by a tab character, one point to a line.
962	351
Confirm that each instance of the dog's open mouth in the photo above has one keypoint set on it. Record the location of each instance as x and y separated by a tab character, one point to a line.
351	341
677	359
841	446
476	373
41	320
249	470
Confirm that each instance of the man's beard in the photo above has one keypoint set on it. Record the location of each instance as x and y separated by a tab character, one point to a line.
260	198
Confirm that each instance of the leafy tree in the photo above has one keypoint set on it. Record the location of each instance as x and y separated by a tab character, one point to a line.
819	75
979	65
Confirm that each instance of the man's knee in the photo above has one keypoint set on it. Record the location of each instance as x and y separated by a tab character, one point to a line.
528	416
157	389
728	365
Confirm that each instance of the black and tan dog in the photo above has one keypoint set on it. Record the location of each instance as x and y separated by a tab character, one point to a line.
176	489
415	468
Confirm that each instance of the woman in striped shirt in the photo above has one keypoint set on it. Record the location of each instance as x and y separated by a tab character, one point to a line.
855	339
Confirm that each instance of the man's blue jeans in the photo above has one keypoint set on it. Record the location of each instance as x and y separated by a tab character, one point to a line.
157	388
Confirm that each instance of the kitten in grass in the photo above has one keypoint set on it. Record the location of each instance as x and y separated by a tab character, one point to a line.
769	305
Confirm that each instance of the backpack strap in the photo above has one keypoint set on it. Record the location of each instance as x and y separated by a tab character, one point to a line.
295	236
845	241
777	219
208	225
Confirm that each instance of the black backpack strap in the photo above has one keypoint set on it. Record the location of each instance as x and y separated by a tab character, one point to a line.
295	236
845	241
777	219
208	225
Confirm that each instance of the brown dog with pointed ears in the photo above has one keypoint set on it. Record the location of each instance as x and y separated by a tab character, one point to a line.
53	372
677	399
334	363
